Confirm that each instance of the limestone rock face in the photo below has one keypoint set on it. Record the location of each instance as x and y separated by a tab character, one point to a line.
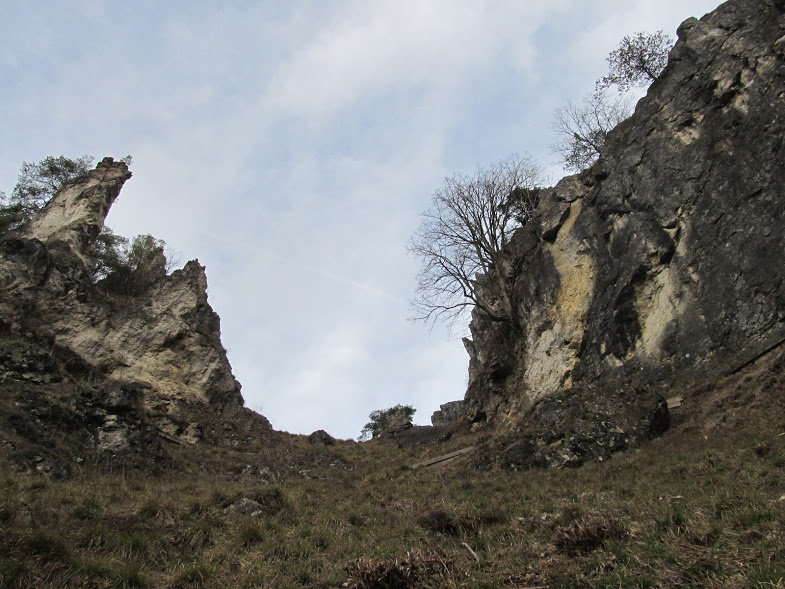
168	339
156	336
663	262
77	215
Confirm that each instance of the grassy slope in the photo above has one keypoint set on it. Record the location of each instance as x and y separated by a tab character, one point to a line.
704	506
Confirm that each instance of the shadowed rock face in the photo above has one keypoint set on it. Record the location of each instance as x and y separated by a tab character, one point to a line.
662	262
583	424
161	340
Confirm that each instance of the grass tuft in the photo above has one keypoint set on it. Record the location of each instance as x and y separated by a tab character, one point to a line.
413	571
443	522
588	533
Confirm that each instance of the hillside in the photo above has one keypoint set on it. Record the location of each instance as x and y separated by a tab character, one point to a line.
128	459
701	506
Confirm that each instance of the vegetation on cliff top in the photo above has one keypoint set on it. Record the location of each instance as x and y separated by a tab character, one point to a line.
381	419
37	184
581	129
463	237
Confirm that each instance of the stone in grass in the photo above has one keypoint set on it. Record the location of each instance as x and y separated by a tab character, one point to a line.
321	438
246	506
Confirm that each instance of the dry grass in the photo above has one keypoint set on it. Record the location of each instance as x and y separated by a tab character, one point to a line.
588	533
701	507
413	571
710	517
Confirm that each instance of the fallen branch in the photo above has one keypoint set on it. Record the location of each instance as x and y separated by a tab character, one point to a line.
169	438
444	458
472	552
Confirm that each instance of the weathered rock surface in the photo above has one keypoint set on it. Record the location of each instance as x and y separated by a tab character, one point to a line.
663	262
77	215
400	430
150	343
448	413
583	424
54	411
416	436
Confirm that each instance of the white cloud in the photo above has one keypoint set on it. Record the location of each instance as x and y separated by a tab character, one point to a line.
392	47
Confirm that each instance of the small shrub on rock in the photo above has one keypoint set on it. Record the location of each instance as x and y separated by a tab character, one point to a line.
384	420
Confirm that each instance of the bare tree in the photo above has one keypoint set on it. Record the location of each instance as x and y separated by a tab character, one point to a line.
637	61
463	237
581	130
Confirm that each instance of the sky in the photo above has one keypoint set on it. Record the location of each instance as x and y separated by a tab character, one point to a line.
291	147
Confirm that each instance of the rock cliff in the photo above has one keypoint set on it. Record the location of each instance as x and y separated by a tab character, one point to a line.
662	263
147	358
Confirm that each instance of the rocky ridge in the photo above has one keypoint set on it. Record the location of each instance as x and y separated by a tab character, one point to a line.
658	266
655	269
132	360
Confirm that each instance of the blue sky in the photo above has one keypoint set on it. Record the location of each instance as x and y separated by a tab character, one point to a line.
291	146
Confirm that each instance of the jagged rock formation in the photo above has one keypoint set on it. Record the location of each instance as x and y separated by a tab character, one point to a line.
143	353
448	413
663	262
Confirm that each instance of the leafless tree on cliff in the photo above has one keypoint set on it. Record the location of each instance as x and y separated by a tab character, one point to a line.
463	237
581	130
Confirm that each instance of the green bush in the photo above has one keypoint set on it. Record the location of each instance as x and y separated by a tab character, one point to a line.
382	418
114	254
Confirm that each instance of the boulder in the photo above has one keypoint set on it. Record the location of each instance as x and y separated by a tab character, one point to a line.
583	424
321	438
448	413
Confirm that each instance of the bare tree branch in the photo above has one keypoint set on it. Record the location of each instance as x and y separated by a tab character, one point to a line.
581	130
461	240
